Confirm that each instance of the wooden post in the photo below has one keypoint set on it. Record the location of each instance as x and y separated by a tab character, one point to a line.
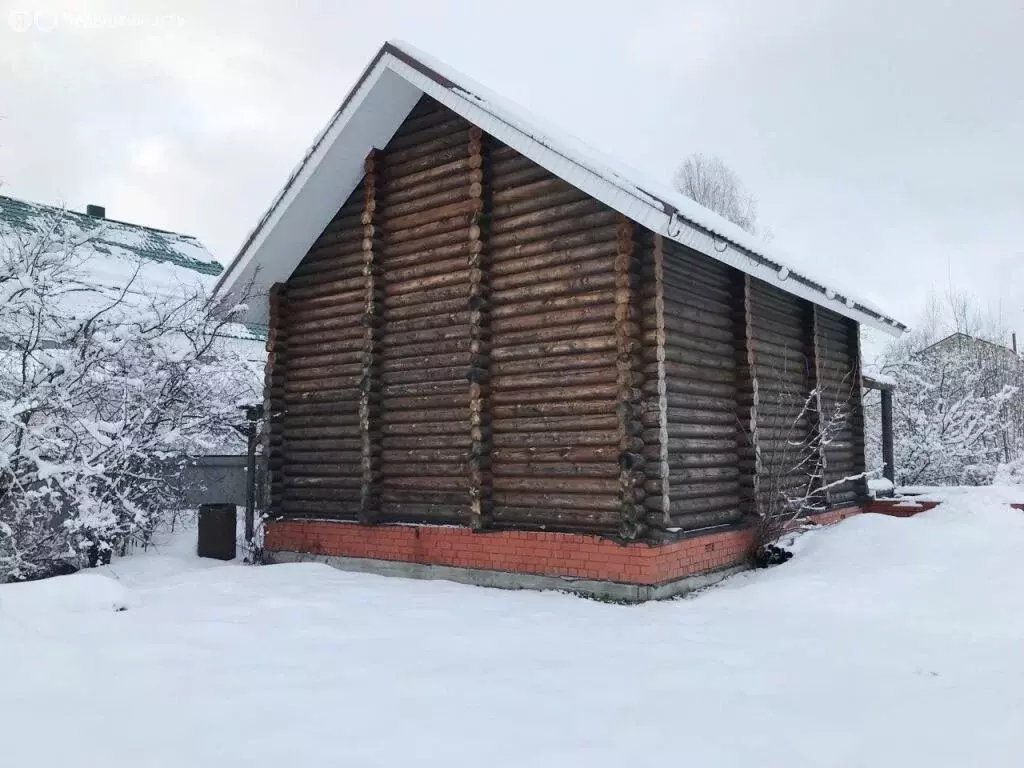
373	320
629	380
888	449
274	400
748	443
480	484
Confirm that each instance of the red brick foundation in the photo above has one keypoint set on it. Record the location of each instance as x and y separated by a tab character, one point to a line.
899	507
530	552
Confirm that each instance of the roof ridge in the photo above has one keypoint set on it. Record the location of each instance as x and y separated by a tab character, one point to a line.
86	216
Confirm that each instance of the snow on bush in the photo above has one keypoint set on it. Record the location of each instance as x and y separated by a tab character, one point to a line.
106	389
958	407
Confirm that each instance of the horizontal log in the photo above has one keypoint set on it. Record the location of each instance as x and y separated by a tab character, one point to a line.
507	209
292	386
545	518
391	457
523	309
511	232
343	421
555	470
429	224
502	284
294	470
513	329
450	293
332	486
604	375
404	245
410	274
408	469
395	353
425	483
456	501
562	362
455	373
438	320
337	510
419	132
700	359
689	429
721	458
396	184
327	289
424	428
325	355
338	269
314	337
680	376
311	315
422	388
553	439
575	422
684	445
557	485
583	501
401	168
344	372
579	284
681	508
397	360
426	148
338	459
419	442
327	394
606	392
564	454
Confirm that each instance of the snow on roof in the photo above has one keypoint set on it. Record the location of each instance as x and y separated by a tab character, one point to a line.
119	256
376	107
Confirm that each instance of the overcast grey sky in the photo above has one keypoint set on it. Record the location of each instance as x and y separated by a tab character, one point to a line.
883	139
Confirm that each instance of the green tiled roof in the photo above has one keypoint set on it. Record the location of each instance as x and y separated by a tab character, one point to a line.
146	242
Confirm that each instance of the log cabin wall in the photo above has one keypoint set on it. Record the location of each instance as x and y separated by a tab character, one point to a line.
700	365
839	363
471	340
780	337
315	455
427	206
554	382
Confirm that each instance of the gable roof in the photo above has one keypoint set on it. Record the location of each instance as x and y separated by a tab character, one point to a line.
375	108
108	235
116	254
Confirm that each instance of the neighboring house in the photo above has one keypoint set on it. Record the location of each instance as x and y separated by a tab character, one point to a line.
476	324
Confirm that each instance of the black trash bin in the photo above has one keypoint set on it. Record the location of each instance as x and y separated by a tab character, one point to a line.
217	531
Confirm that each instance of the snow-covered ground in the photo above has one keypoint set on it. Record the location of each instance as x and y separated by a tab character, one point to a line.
883	642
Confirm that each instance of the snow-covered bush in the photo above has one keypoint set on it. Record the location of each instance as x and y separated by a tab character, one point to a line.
104	392
958	407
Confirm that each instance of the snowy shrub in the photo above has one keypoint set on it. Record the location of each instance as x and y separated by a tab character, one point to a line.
104	392
951	419
958	407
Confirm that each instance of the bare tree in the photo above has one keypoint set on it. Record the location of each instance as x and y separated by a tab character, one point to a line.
793	477
710	182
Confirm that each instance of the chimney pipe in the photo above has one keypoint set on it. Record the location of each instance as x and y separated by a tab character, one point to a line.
1014	337
96	211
